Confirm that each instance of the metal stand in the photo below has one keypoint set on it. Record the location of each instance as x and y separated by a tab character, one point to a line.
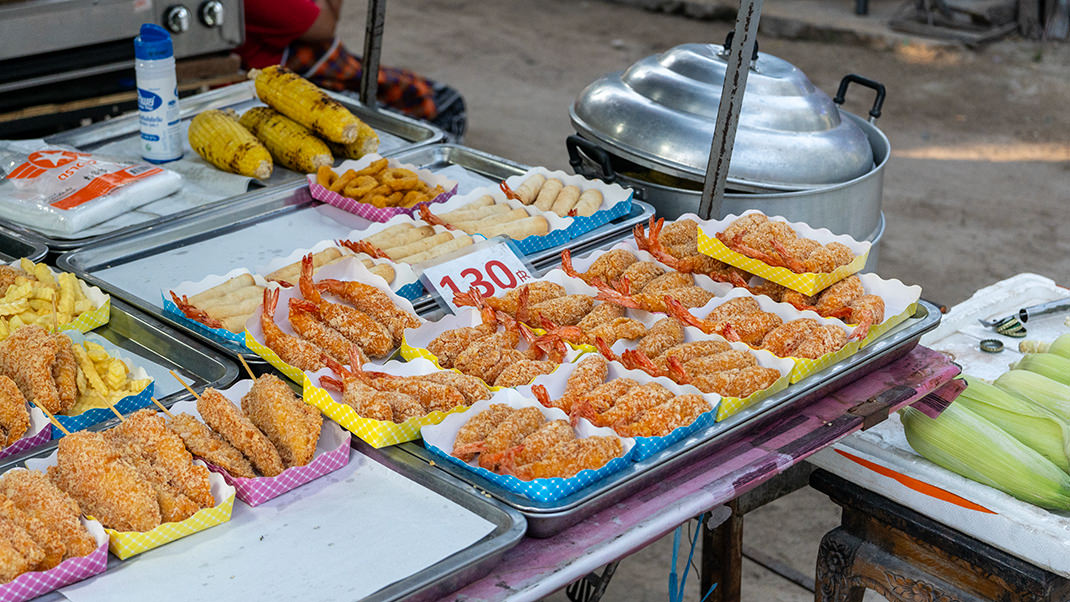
373	49
593	586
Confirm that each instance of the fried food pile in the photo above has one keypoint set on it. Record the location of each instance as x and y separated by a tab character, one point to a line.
132	477
272	431
777	244
391	398
742	319
32	294
368	318
379	184
676	246
39	525
628	407
521	442
623	279
490	218
407	243
846	300
551	194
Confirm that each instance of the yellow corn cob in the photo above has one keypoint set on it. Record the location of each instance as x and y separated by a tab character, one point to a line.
222	141
290	143
367	142
302	101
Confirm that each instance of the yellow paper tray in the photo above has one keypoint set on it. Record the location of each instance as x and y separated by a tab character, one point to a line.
809	283
733	405
125	544
377	433
265	352
805	367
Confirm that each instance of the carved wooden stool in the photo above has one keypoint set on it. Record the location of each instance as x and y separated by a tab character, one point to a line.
904	556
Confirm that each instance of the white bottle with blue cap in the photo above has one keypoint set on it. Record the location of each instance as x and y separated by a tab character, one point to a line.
157	95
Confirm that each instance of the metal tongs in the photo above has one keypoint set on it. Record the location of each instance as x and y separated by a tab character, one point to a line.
1014	325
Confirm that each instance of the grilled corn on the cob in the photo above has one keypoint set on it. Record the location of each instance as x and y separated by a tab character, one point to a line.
290	143
302	101
222	141
367	142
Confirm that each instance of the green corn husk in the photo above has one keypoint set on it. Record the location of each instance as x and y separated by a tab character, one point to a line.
963	442
1061	346
1024	420
1055	367
1041	390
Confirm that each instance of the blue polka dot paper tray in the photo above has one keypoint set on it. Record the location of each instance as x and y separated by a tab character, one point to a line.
490	212
439	440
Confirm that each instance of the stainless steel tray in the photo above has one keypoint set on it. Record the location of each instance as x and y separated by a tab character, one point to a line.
397	132
14	245
546	519
158	348
250	231
462	568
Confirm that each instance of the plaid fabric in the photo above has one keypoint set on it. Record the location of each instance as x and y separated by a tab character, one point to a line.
331	66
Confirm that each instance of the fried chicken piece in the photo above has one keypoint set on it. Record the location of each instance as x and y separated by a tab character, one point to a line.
202	442
34	494
571	457
47	539
665	418
739	382
12	562
664	334
32	358
478	428
166	451
538	291
107	488
523	372
291	425
14	415
174	505
225	418
65	371
30	555
470	387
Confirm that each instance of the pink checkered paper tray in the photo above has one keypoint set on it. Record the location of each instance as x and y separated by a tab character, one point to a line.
35	583
332	453
369	211
36	435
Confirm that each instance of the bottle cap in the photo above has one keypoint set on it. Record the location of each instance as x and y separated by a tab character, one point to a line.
152	43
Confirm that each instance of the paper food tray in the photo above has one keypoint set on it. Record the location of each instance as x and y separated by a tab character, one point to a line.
187	288
377	433
644	446
36	583
406	283
371	212
125	544
37	434
124	406
346	270
332	453
616	200
417	339
808	283
439	440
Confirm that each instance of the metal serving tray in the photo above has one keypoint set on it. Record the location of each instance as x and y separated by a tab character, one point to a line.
548	518
14	245
158	348
252	230
462	568
397	132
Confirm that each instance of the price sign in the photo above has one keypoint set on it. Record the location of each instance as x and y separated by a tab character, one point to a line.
490	269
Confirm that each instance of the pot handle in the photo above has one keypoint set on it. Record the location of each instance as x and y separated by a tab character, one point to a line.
575	144
876	86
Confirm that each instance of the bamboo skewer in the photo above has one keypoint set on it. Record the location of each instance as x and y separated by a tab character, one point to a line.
161	406
183	383
111	406
51	418
247	368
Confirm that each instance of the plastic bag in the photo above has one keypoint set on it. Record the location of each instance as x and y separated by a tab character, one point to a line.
60	190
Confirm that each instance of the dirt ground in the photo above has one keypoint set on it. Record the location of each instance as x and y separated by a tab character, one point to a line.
977	190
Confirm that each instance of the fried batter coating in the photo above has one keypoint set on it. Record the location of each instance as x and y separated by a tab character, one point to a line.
732	308
602	397
523	372
317	332
14	415
8	276
752	328
478	428
627	407
33	358
448	345
685	352
642	273
604	312
373	302
535	446
726	360
665	418
202	442
740	382
667	282
470	387
609	266
826	338
12	562
174	505
627	329
784	339
225	418
291	425
107	488
571	457
166	451
562	311
47	539
508	432
538	291
664	334
33	493
300	354
434	397
31	555
487	357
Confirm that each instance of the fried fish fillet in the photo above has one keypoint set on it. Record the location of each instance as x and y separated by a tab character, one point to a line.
34	494
227	419
291	425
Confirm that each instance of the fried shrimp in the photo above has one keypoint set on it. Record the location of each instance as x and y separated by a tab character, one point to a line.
291	425
373	302
92	472
14	416
226	419
470	387
664	418
290	349
523	372
664	334
307	324
571	457
538	291
202	442
355	325
33	493
478	428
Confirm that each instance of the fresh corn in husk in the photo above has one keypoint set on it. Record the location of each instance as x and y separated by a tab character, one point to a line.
1041	390
963	442
290	143
1055	367
1060	346
303	101
1024	420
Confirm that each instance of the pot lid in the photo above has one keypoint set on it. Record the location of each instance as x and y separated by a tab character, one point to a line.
662	111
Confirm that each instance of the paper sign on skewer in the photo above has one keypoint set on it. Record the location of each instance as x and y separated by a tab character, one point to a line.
492	267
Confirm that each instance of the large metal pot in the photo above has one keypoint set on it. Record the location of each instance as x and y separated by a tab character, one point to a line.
796	153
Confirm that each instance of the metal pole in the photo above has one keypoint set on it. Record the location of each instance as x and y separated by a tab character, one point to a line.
373	49
735	82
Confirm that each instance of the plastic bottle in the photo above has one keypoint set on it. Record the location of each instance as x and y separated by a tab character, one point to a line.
157	95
